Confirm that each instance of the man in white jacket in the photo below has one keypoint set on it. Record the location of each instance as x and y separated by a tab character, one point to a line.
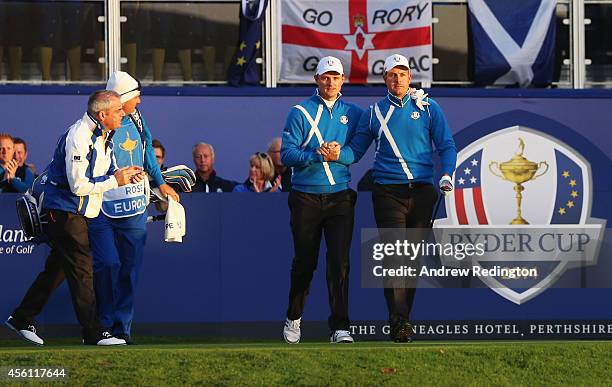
82	169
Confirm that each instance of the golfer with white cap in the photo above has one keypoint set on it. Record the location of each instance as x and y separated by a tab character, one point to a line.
320	200
117	236
404	125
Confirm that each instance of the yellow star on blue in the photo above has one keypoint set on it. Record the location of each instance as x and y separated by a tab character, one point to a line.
562	211
243	45
257	44
565	174
241	61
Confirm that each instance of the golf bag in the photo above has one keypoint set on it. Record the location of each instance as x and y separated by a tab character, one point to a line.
29	210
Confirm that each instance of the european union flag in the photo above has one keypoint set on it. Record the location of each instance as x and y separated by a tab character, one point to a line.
243	69
568	201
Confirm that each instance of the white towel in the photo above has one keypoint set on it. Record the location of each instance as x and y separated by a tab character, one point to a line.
175	222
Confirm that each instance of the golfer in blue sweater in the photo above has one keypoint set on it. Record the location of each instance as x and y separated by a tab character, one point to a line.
320	200
405	125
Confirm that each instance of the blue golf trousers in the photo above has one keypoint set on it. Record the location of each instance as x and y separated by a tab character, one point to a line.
117	246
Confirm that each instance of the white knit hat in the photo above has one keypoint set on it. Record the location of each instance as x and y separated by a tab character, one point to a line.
123	83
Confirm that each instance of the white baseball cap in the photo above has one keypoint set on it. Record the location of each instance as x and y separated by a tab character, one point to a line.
329	63
394	61
123	83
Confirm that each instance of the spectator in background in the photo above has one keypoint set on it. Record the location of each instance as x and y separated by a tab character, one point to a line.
14	33
13	178
61	26
21	154
206	177
160	153
279	168
261	175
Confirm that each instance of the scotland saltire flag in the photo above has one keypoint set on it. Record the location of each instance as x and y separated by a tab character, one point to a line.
514	41
243	69
570	192
468	192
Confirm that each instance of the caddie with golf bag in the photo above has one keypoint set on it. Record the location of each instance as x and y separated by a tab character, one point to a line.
118	235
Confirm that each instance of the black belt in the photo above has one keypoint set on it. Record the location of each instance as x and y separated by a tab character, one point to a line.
416	184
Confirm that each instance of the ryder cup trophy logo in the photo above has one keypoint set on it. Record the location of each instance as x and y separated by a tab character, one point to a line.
518	170
129	145
540	220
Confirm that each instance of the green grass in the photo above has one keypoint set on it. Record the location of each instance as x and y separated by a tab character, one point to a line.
365	363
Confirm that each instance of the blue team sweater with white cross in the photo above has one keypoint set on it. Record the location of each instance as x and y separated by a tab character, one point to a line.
405	135
308	125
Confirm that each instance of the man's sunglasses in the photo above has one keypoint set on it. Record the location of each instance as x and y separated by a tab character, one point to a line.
262	155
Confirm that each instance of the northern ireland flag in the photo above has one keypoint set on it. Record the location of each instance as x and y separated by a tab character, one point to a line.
360	33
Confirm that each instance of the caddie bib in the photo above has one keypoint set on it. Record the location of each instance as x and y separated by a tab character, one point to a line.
130	199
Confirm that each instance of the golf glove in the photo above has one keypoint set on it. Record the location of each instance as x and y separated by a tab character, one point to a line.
445	184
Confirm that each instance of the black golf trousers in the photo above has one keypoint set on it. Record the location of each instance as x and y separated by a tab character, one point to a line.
401	206
314	215
70	259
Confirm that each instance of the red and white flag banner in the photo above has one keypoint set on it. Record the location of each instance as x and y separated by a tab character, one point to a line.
361	33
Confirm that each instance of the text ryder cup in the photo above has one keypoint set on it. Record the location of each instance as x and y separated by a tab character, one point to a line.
525	242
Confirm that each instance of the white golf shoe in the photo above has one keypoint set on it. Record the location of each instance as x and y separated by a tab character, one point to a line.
341	336
26	331
291	331
108	339
104	338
